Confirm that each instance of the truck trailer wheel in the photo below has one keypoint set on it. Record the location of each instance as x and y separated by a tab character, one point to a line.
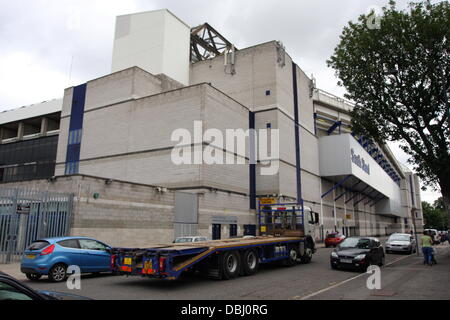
250	262
231	265
307	257
309	250
293	256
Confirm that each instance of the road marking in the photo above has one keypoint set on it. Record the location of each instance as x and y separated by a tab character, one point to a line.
347	280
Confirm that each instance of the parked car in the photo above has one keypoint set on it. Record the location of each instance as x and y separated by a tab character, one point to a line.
333	239
13	289
190	239
357	253
443	236
52	256
434	235
401	242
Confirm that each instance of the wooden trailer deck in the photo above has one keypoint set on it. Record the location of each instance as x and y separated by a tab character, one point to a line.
220	244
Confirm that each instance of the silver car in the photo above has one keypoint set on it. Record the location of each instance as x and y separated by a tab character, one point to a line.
401	242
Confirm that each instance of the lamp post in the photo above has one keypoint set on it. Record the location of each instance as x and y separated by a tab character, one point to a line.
413	216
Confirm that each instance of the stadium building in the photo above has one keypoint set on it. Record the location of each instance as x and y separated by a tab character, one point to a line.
109	142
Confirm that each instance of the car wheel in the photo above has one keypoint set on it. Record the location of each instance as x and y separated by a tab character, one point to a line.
33	276
231	265
367	265
333	266
251	262
58	272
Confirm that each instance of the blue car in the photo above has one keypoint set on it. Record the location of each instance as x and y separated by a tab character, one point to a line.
52	256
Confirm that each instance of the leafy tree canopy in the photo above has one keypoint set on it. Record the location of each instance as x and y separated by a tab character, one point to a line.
397	71
434	216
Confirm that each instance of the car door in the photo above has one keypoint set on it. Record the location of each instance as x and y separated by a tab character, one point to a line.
70	248
95	257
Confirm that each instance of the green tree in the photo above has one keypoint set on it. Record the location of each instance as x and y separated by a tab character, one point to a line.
397	72
435	218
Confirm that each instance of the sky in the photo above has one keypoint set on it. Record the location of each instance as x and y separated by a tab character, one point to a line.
49	45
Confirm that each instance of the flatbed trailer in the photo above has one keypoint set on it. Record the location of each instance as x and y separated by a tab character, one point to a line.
221	259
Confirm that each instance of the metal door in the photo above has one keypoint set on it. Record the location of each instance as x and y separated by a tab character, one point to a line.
216	231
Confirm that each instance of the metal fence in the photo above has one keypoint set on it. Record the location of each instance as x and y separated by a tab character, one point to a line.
27	215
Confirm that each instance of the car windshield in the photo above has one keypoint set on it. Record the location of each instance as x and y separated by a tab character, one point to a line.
399	237
359	243
182	240
38	245
8	292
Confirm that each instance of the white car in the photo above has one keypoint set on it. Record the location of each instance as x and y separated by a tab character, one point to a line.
190	239
433	233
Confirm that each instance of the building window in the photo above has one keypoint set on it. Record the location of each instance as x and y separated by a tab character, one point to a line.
72	167
267	92
233	230
74	136
249	230
216	231
28	159
268	125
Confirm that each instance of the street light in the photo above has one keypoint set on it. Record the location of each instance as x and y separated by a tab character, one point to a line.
413	216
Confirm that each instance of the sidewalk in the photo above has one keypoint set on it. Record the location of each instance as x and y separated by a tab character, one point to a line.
13	269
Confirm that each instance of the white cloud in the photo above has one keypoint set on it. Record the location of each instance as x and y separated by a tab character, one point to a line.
27	79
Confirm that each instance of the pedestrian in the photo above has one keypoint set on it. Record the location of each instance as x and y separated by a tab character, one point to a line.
433	253
426	244
443	237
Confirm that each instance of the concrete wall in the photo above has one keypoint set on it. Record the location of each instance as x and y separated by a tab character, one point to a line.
134	114
128	137
156	41
255	74
265	86
135	215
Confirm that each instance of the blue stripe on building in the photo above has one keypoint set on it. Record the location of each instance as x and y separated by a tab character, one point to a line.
75	129
252	166
297	133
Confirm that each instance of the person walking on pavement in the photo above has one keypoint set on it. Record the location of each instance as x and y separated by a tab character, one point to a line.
426	244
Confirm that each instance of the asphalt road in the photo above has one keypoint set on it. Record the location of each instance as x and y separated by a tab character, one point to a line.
403	277
406	279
